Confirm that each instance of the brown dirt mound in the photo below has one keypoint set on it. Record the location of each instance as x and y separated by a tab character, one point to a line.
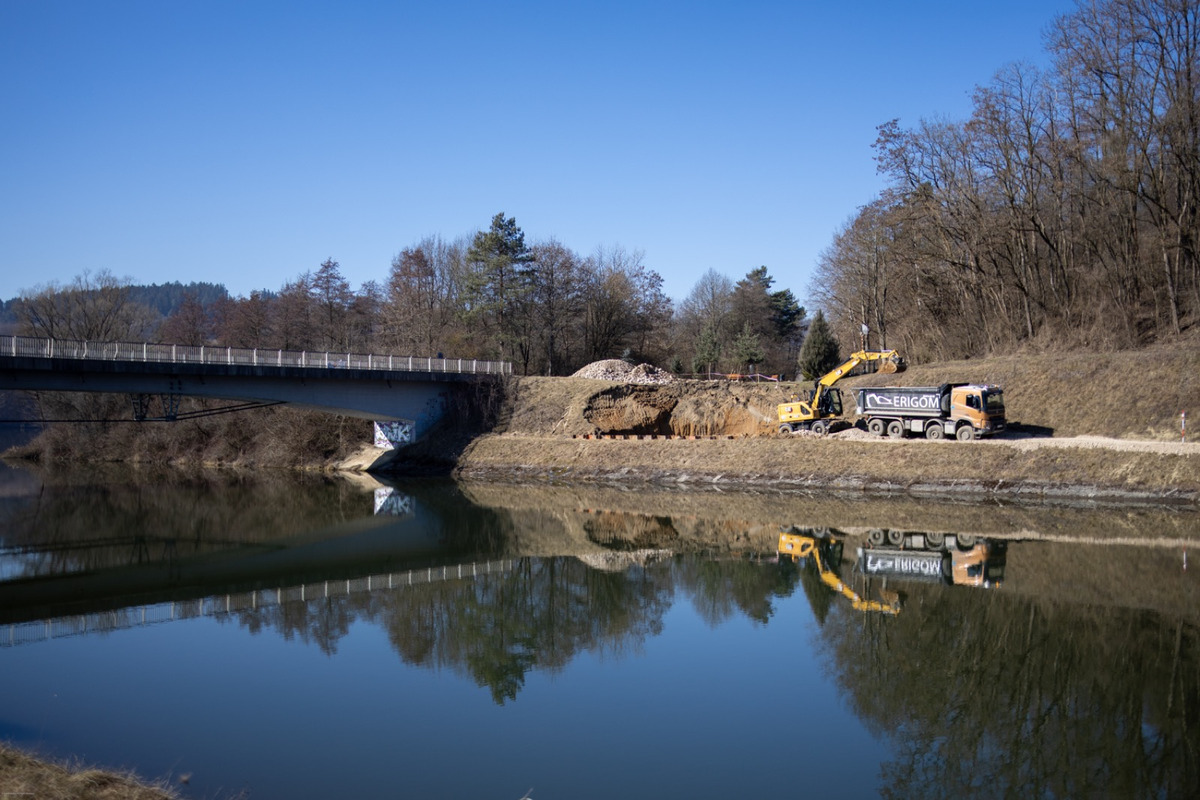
578	406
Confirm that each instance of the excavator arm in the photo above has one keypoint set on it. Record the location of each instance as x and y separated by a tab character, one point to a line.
891	363
824	404
798	545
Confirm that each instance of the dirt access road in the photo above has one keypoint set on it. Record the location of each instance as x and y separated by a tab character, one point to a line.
1027	441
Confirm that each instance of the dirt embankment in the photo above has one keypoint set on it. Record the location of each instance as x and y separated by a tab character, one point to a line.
1104	426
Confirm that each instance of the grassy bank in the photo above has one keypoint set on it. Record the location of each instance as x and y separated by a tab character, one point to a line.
801	461
23	776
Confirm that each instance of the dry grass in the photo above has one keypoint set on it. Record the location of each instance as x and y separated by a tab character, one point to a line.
802	461
23	776
1129	394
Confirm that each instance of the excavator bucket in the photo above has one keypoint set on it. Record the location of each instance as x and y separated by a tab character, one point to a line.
892	365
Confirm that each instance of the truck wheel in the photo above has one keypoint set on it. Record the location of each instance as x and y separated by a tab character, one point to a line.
934	431
966	541
895	538
785	428
875	427
934	541
875	537
895	429
820	427
965	433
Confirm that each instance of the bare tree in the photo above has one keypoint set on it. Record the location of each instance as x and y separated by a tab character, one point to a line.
553	304
91	308
189	324
245	322
419	306
705	318
624	306
294	313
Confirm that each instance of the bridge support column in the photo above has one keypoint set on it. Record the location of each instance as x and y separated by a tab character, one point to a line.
141	406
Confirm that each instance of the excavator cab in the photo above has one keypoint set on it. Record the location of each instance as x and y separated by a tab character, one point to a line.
830	403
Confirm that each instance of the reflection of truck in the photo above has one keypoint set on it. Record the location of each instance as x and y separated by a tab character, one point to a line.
958	559
826	553
824	403
961	410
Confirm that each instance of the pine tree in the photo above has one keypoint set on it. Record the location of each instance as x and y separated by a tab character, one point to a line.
708	350
820	351
499	259
747	347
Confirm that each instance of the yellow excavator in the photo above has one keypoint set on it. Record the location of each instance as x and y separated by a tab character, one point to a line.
797	543
823	404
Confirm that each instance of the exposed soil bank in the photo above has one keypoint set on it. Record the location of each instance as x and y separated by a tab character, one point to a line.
1107	428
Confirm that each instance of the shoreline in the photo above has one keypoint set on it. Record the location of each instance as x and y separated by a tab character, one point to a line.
1062	472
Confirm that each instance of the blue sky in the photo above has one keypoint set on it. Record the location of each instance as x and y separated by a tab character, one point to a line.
244	142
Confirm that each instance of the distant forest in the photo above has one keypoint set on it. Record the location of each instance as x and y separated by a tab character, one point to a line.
1062	213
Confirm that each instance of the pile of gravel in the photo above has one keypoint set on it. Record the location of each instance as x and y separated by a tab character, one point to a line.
614	369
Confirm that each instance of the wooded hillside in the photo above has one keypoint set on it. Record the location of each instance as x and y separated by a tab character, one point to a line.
1062	213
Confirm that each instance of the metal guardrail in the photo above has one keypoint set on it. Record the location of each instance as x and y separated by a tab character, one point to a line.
27	346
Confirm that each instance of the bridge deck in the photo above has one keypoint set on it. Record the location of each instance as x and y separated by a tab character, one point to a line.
143	353
370	386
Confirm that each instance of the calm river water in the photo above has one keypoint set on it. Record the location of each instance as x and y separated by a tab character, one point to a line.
306	637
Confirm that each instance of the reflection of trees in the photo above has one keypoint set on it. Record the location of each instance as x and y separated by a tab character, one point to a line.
99	518
991	695
718	589
540	615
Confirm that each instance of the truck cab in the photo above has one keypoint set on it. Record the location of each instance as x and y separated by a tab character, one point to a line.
981	405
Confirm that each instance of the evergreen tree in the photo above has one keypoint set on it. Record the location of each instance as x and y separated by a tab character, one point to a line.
708	349
820	351
332	298
499	261
747	347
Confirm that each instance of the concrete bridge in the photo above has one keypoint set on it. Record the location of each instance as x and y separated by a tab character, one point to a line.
404	395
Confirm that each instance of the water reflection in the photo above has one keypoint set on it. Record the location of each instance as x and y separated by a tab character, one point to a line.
1073	670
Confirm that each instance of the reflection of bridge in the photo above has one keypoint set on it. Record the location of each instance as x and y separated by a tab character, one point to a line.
377	387
233	603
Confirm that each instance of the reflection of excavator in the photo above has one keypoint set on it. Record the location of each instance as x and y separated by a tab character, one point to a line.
797	543
824	404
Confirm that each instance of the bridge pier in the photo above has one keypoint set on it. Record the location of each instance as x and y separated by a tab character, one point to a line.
391	434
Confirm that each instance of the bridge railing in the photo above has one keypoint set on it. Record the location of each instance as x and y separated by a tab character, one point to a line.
206	354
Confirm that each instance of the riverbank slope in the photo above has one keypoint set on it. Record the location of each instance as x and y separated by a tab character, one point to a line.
1105	426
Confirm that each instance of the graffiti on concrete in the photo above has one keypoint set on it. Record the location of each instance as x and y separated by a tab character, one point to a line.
390	434
389	502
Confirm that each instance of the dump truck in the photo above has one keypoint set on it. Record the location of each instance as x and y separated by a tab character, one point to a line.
816	411
957	559
960	410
